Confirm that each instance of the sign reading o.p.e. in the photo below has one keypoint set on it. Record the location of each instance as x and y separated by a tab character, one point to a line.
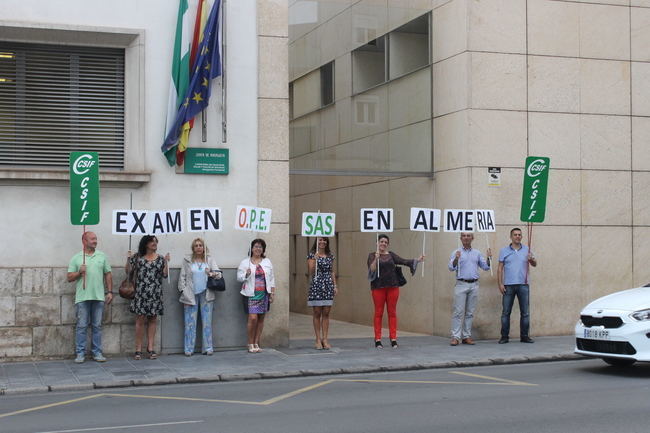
253	219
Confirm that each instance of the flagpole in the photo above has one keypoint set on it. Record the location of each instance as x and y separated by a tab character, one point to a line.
224	61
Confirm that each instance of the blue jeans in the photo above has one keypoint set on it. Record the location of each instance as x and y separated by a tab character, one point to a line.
521	291
89	313
191	316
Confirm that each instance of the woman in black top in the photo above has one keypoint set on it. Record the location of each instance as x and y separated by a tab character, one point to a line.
385	286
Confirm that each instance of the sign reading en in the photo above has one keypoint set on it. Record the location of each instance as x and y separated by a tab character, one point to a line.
84	188
376	220
533	199
203	160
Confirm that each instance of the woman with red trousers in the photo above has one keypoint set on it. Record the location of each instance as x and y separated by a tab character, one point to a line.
385	287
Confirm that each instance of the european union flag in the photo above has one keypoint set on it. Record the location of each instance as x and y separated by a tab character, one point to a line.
207	67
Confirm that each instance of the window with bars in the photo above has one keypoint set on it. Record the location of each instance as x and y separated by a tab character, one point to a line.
58	99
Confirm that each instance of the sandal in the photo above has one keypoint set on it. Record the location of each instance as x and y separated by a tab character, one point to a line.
251	348
257	348
137	356
318	345
326	345
152	354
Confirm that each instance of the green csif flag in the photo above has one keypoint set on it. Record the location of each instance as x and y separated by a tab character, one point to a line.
533	199
84	188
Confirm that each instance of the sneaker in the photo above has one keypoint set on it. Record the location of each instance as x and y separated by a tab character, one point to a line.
99	358
378	344
393	344
209	352
188	354
527	340
503	340
80	358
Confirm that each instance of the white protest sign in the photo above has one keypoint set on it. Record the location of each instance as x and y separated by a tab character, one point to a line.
425	220
458	220
376	220
253	219
145	222
485	221
204	219
318	224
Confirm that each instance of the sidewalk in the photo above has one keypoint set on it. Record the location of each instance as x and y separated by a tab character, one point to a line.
355	354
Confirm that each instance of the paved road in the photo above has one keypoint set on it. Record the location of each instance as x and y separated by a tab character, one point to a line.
570	396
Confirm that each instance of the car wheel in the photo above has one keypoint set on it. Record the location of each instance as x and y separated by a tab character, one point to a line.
619	362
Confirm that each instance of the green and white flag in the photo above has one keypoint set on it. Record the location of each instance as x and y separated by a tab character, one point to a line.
84	188
533	199
180	76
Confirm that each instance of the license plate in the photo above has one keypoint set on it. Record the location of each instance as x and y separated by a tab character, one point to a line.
597	334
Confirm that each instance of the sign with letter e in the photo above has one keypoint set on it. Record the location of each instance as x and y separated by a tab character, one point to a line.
84	188
318	224
459	220
425	220
253	219
533	199
376	220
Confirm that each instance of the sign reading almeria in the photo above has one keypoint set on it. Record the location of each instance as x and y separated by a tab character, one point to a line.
533	200
84	188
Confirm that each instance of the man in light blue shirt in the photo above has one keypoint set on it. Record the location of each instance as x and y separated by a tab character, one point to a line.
513	281
465	262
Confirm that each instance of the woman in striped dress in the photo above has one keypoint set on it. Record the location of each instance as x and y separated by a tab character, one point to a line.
258	288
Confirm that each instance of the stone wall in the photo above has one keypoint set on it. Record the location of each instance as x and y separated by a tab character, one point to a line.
37	315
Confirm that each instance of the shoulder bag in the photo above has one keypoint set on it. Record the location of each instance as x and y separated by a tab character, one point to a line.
127	287
217	284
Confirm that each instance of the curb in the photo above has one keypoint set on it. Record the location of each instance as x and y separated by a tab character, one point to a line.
239	377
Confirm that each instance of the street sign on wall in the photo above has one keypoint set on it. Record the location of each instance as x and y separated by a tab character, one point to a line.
200	160
533	199
84	188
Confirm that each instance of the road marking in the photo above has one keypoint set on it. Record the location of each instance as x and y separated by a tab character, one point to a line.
491	381
162	397
47	406
505	381
124	426
298	391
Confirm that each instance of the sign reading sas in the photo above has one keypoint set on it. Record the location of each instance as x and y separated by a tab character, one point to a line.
318	224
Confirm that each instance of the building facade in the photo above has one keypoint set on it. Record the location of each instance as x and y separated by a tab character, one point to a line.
36	303
406	103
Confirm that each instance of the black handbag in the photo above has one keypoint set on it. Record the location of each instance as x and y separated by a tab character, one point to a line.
217	284
401	280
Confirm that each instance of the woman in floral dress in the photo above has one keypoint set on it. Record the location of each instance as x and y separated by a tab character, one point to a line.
320	264
150	268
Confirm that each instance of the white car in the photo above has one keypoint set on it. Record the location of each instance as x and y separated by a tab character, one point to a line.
616	327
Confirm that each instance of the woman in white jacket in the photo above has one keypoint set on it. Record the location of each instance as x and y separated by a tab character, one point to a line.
258	286
195	296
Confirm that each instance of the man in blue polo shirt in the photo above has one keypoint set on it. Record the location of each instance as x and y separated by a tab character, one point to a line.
513	281
465	262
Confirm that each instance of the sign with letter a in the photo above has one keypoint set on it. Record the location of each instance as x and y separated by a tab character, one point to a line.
425	220
376	220
485	221
318	224
84	188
